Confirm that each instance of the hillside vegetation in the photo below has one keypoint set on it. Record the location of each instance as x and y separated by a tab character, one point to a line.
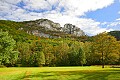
56	46
116	34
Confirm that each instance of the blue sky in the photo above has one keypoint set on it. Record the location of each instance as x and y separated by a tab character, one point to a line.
92	16
107	14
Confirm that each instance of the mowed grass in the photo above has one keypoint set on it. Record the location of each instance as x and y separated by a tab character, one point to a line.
59	73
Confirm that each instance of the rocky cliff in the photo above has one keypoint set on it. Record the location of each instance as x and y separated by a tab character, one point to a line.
72	29
48	28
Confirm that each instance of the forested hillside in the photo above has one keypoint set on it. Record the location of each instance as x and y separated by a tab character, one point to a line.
14	30
116	34
20	47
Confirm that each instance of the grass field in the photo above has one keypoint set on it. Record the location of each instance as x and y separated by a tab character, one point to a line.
59	73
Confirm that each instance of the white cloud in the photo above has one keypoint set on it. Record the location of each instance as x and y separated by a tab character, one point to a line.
118	19
10	1
113	25
79	7
36	4
119	12
52	9
90	26
72	7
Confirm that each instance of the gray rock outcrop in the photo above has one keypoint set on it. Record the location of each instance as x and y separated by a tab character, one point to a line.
48	28
48	25
72	29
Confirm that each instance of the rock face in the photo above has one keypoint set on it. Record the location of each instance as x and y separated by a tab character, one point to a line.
48	25
47	28
72	29
43	24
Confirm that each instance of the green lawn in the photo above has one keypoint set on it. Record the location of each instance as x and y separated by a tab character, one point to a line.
59	73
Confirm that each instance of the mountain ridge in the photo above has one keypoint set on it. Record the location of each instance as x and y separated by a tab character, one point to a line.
48	28
53	30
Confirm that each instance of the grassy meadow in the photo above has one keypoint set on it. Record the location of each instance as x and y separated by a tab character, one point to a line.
60	73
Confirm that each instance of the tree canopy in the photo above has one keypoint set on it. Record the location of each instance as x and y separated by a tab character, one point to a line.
106	47
7	53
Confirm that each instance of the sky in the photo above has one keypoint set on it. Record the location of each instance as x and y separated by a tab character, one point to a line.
91	16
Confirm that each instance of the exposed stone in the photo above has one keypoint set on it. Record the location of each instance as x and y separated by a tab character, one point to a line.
44	35
49	29
48	25
72	29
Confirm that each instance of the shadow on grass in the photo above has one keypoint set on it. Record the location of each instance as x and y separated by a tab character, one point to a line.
75	75
39	75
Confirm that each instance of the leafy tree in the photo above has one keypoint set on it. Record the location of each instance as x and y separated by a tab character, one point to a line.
76	54
40	58
88	52
81	56
62	54
25	53
92	58
118	54
7	53
105	46
49	52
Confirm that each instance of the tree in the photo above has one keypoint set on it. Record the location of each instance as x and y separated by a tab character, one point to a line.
118	53
81	56
7	53
105	46
89	53
40	58
24	53
62	54
49	52
76	54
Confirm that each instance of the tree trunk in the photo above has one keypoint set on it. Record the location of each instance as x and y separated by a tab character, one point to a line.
102	60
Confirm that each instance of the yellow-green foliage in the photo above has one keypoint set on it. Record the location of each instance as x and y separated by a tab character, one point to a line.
67	50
